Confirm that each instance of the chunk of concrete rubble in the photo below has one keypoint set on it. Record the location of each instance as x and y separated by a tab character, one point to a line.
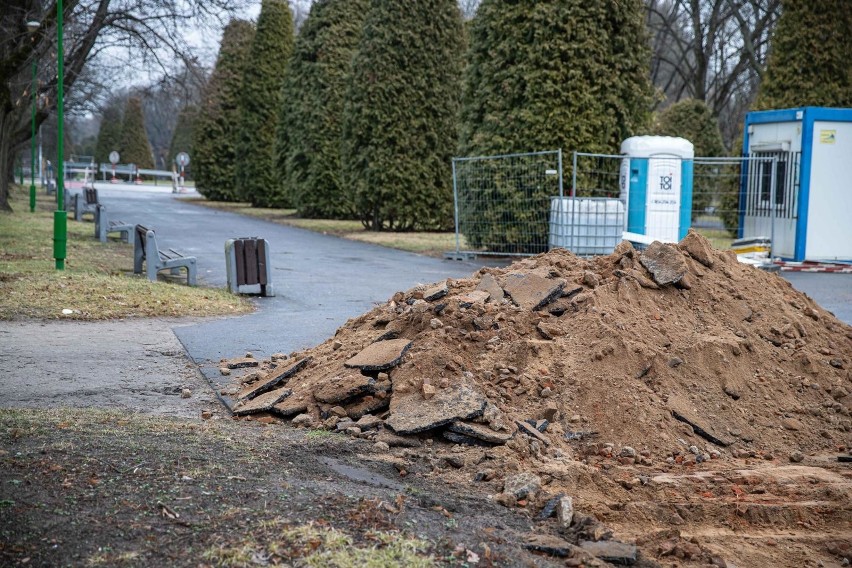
274	378
565	511
489	284
340	388
380	356
548	544
242	363
436	292
480	431
550	329
394	441
611	551
473	297
698	247
291	406
262	403
665	263
522	485
624	248
531	291
411	414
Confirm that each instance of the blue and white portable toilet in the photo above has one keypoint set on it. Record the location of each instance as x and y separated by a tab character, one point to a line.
812	151
656	185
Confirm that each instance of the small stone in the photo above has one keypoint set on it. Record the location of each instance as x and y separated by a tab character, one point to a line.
797	457
591	279
338	411
369	422
206	414
455	461
836	363
811	313
565	511
185	393
336	344
429	391
352	431
522	485
506	499
278	357
435	323
381	447
791	424
545	392
303	420
224	371
627	452
675	362
550	412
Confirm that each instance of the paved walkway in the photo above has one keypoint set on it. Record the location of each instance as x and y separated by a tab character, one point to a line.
320	281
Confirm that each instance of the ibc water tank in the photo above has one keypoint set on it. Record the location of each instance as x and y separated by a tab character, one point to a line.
656	185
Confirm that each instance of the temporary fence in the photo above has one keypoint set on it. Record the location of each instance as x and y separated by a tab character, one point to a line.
502	202
515	204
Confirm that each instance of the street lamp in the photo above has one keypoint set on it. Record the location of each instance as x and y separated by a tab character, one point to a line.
32	27
60	216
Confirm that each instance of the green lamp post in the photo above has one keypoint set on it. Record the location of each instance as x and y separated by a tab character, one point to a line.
60	216
32	27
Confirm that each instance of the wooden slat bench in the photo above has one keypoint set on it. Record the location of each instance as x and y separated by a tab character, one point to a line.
145	250
86	202
104	225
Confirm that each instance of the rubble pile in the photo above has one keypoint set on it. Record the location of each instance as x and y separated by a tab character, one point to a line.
558	366
561	355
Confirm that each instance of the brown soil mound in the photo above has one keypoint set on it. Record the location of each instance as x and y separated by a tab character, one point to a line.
631	349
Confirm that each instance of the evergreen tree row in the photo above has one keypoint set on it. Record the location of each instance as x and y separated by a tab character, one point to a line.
125	133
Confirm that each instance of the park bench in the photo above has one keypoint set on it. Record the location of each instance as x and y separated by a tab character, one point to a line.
104	226
85	202
145	249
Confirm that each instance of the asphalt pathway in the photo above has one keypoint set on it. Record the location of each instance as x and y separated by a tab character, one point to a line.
320	281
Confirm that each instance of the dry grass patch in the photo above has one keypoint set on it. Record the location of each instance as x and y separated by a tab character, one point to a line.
97	282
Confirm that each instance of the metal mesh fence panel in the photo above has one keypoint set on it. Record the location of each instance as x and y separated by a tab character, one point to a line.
502	202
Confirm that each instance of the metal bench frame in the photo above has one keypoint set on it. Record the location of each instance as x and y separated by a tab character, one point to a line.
145	250
89	203
103	226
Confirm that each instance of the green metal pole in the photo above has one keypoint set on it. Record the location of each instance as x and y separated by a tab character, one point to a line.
32	145
60	216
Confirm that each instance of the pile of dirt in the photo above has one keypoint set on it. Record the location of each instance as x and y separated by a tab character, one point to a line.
560	376
625	354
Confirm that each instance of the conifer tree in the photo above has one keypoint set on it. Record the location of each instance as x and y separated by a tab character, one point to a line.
214	139
810	63
135	147
260	104
693	120
400	128
543	75
308	142
109	134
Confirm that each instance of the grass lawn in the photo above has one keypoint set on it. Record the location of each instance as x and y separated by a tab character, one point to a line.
98	281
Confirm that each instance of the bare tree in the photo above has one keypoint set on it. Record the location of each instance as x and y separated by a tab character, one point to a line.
141	34
711	50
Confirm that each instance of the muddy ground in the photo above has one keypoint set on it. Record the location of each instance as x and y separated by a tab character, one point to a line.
148	482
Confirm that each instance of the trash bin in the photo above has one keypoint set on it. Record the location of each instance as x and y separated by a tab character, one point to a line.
248	267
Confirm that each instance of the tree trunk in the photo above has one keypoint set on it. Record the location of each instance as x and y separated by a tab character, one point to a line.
7	159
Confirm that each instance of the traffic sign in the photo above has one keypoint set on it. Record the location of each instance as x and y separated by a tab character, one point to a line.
182	159
113	157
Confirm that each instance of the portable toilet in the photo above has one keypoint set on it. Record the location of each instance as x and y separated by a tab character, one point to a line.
656	185
811	148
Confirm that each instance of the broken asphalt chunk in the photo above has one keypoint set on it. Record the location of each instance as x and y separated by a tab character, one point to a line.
291	406
480	431
531	291
490	285
344	387
380	356
274	378
411	414
263	402
435	292
548	544
242	363
682	410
